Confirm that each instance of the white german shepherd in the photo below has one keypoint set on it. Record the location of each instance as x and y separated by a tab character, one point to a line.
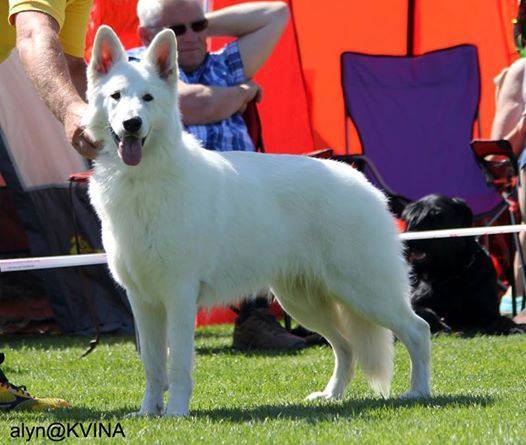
185	227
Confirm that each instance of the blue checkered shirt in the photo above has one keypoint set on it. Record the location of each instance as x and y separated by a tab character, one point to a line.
221	68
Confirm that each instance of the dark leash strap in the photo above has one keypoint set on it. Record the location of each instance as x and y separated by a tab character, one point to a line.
86	284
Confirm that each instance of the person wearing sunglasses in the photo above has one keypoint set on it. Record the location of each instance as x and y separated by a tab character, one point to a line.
214	90
215	87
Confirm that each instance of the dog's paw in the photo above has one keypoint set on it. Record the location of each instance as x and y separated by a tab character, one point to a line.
415	395
142	413
176	413
322	395
149	409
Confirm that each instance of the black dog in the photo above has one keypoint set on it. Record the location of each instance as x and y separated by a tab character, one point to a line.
454	281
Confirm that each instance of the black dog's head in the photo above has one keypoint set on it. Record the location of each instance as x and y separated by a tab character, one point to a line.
436	212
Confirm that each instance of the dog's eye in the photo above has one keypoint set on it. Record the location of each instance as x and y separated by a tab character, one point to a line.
147	97
116	95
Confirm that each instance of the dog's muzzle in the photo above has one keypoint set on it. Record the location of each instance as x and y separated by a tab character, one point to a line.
129	147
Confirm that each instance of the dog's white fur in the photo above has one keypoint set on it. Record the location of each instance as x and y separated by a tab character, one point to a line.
188	227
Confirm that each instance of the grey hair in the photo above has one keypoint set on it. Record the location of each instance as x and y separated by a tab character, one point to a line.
149	11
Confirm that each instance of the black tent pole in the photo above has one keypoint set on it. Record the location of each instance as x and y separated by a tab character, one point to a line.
410	28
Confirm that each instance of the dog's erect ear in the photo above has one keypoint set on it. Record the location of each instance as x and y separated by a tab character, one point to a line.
107	51
465	211
162	54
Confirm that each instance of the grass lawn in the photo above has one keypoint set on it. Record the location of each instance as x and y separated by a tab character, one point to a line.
479	389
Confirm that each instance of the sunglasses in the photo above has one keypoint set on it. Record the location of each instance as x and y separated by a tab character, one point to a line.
198	26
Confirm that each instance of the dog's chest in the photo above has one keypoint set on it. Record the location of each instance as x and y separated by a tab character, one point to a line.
143	223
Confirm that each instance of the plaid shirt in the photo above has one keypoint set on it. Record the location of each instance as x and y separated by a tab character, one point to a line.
221	68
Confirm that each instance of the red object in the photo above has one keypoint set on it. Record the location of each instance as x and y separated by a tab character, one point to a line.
401	224
81	176
221	315
216	315
496	265
120	15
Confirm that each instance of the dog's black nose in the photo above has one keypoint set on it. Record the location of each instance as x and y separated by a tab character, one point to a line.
132	125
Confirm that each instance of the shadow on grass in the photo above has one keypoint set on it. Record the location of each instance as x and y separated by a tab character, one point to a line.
229	350
78	414
327	410
211	333
45	342
310	413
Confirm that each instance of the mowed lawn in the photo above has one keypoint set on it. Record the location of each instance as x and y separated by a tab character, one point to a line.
479	389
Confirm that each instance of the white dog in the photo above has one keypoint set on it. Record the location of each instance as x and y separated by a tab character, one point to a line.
185	227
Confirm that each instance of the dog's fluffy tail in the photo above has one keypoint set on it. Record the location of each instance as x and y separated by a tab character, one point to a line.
372	345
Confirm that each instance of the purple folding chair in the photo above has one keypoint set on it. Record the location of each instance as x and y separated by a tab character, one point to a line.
415	116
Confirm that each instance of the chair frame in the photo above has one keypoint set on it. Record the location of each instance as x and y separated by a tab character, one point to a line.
499	165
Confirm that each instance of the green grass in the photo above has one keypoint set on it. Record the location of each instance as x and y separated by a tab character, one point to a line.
479	389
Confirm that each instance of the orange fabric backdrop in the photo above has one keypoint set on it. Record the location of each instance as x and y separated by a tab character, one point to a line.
121	15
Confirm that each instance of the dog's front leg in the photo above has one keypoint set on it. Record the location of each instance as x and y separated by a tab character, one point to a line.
181	313
150	321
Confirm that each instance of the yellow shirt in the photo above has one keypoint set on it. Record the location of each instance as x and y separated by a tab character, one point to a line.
71	16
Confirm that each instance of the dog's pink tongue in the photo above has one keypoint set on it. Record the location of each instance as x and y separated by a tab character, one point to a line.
130	150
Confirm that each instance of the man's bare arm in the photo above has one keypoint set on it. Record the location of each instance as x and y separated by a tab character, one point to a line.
77	71
258	26
509	122
517	136
202	104
41	54
510	104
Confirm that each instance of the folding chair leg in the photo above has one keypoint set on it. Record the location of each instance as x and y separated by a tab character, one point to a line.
87	287
522	268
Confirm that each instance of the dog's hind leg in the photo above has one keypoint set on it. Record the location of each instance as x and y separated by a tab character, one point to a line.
414	333
344	363
372	346
320	314
150	321
397	315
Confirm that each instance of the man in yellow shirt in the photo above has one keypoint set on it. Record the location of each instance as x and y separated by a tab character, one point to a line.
49	36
